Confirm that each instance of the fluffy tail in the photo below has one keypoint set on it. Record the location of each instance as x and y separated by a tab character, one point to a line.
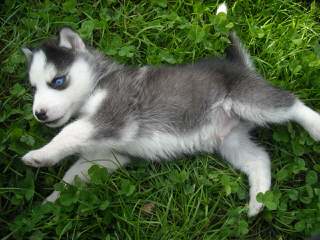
235	52
222	8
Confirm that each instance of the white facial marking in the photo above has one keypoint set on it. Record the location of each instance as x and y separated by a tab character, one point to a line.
40	71
60	105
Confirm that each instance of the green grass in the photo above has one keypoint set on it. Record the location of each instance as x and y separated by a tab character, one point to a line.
200	197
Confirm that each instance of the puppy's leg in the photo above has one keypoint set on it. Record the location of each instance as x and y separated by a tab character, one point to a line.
263	104
298	112
69	141
307	118
242	153
80	168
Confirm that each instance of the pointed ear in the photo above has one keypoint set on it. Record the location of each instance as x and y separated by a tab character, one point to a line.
28	53
70	39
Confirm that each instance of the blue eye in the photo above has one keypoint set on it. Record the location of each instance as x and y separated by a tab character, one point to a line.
58	83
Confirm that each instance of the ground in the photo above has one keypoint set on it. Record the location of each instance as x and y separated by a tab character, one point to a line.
196	197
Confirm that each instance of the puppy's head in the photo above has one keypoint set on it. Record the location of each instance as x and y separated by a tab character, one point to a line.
61	77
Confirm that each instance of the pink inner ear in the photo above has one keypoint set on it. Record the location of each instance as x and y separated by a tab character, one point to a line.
70	39
78	44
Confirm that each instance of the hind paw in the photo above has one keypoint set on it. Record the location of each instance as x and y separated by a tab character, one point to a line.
314	132
254	208
52	197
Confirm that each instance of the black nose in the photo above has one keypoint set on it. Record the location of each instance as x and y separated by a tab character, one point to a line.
42	115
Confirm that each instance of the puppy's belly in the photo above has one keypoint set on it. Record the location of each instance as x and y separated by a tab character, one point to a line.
158	145
161	145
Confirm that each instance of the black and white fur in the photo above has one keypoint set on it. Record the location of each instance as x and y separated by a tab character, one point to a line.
157	112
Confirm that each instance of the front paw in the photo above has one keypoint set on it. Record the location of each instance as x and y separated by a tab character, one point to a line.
38	158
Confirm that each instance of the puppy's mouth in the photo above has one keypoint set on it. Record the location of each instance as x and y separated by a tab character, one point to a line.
53	123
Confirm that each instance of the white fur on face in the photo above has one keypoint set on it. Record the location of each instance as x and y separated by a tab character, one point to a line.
59	104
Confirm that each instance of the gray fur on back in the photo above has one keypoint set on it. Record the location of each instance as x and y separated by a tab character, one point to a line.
179	99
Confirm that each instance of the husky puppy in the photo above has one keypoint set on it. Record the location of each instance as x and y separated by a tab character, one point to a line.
155	113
